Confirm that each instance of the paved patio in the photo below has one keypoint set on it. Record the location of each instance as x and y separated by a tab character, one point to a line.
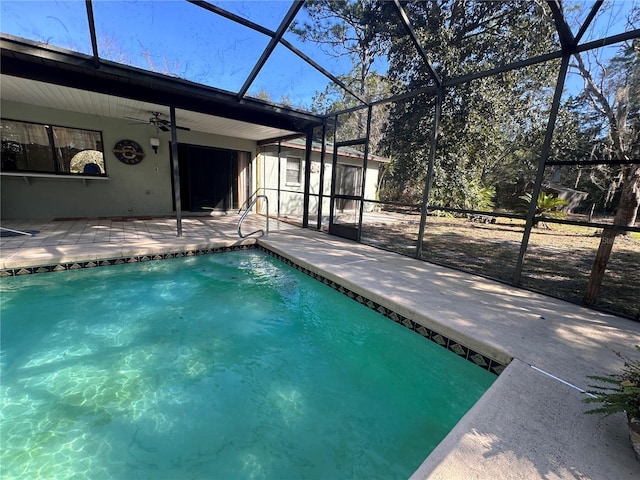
66	241
529	425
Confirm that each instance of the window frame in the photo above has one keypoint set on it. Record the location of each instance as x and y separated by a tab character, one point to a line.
297	182
57	159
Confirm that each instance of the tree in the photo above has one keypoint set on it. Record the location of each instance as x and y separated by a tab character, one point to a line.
577	137
347	29
482	119
614	93
352	125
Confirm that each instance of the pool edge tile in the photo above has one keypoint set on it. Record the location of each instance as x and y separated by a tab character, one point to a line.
460	348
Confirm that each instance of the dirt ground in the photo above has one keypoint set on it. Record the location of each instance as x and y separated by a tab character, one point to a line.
557	262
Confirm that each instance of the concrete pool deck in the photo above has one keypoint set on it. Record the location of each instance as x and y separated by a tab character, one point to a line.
529	425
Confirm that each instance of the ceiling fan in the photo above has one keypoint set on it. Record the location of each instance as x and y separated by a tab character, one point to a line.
158	122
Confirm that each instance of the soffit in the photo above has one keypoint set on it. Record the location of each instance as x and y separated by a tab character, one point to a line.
38	93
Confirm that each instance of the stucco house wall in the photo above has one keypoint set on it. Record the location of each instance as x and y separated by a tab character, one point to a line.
292	194
129	190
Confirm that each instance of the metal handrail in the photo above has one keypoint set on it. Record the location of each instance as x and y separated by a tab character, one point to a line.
248	200
246	212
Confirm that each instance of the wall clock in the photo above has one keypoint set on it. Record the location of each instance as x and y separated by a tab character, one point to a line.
128	151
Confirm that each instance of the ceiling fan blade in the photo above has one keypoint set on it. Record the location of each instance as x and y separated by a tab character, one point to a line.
160	123
165	125
137	120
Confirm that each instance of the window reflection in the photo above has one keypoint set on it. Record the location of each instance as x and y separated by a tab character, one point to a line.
38	148
77	148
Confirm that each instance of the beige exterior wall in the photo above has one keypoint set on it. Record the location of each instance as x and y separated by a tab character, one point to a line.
291	200
130	190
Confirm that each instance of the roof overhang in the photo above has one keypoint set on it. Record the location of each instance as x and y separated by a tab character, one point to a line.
56	70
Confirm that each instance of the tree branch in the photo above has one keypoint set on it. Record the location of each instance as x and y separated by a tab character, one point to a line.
598	96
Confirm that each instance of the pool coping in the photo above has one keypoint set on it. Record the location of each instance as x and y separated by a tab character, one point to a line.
68	262
485	358
63	257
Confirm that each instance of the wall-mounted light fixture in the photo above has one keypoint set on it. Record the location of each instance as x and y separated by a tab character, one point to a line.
155	143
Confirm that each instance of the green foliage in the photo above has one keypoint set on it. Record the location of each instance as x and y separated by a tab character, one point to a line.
618	392
480	197
349	30
441	214
346	29
490	128
546	207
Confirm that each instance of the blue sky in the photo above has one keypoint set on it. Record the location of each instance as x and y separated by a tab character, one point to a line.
181	39
177	38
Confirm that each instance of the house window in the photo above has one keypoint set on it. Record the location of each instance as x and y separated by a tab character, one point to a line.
294	170
38	148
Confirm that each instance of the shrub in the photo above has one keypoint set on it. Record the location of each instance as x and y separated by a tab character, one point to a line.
547	206
619	392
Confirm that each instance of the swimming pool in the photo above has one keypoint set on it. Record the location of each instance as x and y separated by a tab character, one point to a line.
217	366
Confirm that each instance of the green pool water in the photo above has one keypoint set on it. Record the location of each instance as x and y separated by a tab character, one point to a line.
225	366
